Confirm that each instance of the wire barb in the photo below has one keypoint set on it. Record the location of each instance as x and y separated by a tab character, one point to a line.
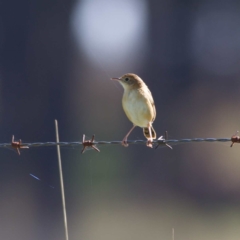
17	145
162	140
89	143
235	138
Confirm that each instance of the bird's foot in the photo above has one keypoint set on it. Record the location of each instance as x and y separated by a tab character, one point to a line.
124	143
149	143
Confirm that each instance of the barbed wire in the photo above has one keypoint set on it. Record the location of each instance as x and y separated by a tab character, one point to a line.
160	142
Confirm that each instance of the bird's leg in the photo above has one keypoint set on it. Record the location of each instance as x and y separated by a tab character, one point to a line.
149	141
124	141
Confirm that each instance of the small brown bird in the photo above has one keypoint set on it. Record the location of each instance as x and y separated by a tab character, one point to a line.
138	105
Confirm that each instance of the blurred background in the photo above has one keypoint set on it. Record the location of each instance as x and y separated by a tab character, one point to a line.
56	61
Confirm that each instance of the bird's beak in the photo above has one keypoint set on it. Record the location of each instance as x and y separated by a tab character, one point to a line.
115	79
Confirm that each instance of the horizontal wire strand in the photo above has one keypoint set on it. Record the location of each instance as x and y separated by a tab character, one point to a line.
159	142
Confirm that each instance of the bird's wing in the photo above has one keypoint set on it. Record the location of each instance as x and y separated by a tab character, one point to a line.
150	100
152	103
154	111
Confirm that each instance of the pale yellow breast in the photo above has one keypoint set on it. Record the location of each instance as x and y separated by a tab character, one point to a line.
139	107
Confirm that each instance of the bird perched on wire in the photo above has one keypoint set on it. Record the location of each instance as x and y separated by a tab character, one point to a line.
138	105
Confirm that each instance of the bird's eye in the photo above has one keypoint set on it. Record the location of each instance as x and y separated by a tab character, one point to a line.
126	79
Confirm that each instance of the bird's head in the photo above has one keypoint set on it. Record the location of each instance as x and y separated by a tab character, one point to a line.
130	81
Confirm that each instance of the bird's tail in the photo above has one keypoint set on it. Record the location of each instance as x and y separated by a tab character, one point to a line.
147	134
